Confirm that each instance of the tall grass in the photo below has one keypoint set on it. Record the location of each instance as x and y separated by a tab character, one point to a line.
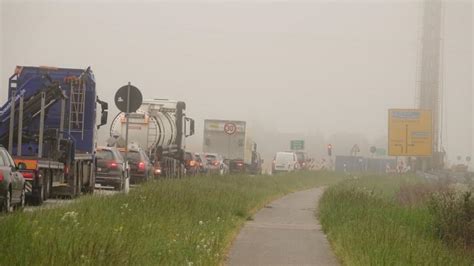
367	226
170	222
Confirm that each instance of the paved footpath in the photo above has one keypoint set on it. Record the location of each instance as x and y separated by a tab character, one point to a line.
285	232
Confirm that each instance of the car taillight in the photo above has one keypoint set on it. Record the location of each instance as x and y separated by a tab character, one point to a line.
141	166
192	163
113	165
1	176
216	163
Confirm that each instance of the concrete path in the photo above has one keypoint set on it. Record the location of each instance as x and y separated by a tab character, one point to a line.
285	232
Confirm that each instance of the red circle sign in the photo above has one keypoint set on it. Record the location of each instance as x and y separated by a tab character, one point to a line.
230	128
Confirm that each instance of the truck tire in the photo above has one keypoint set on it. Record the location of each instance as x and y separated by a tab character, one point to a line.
38	196
46	184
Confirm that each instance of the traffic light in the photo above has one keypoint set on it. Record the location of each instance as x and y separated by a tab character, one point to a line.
329	149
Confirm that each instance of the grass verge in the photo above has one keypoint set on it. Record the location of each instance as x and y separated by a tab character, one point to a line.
170	222
367	226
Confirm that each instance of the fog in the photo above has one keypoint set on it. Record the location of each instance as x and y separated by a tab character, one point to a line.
325	71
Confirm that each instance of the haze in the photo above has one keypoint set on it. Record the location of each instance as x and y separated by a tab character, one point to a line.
315	70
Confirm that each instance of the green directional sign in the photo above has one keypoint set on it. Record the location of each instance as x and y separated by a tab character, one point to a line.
297	145
381	152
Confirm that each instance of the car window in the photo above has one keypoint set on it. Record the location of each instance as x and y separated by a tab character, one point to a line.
104	155
210	157
132	155
8	161
188	156
300	156
2	161
145	156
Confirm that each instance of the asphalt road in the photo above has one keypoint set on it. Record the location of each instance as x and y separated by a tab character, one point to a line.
54	203
285	232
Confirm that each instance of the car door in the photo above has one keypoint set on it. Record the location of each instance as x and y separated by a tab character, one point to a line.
10	173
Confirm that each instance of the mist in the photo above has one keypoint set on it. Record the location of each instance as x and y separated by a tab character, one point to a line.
323	71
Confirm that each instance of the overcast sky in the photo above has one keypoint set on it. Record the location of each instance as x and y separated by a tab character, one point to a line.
325	66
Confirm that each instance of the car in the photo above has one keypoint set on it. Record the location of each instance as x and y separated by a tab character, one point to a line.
191	164
284	162
141	168
202	162
216	164
302	159
12	184
110	167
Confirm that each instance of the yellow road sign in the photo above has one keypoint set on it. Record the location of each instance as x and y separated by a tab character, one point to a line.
410	132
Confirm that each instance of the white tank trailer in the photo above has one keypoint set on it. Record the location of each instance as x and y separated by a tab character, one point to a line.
160	127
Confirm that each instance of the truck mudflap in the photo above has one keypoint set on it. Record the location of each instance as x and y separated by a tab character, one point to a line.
29	187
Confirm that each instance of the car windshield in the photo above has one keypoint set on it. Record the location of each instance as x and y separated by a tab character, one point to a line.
133	156
211	157
300	156
188	156
105	155
284	157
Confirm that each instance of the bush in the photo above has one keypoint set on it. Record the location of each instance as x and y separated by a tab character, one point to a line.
454	217
367	226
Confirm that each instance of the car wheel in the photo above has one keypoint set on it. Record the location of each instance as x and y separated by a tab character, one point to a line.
22	199
7	203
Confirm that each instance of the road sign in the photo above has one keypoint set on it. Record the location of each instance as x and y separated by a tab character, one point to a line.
297	145
373	149
133	97
230	128
381	152
410	132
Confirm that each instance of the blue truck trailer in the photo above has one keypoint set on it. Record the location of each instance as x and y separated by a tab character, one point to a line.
49	126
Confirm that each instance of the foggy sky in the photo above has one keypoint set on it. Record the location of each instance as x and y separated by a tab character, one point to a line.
289	67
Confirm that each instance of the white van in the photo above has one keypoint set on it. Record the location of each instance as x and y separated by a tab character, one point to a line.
284	162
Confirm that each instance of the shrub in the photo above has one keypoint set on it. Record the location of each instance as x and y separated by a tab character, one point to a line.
454	217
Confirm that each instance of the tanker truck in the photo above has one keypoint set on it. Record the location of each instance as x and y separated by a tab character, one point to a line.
232	140
49	126
160	127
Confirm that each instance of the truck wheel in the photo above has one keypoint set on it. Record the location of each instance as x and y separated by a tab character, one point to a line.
38	196
46	187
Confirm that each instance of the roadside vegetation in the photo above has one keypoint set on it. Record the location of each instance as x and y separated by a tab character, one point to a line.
189	221
399	220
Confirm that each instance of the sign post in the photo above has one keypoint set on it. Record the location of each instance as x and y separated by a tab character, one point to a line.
128	99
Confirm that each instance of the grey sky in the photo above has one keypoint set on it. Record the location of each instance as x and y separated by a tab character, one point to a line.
291	67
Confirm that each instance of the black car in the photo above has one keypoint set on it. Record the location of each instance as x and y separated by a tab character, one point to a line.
191	164
12	183
141	169
110	167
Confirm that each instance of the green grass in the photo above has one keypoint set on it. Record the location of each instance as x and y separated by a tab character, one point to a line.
366	226
170	222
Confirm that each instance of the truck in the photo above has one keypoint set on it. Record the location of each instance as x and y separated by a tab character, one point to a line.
49	126
160	127
231	139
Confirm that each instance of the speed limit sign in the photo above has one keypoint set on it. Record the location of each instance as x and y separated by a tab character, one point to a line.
230	128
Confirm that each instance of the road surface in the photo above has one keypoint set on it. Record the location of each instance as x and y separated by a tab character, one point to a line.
285	232
54	203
